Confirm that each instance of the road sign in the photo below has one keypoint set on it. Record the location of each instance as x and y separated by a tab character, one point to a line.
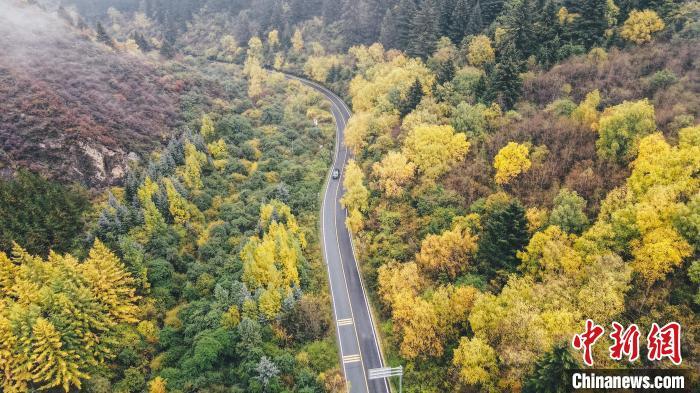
387	372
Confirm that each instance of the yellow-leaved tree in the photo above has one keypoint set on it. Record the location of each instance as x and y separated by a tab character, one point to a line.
652	217
587	113
447	254
153	220
476	363
511	160
365	129
377	87
157	385
356	197
435	149
219	153
480	51
297	41
59	318
191	172
207	128
271	260
641	25
416	323
273	39
622	126
652	221
394	172
184	213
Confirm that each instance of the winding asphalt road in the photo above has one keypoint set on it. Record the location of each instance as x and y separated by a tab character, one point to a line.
357	340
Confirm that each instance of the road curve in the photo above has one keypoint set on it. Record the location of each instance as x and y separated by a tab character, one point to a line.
357	340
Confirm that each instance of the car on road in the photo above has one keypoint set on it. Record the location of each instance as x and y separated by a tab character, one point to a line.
336	174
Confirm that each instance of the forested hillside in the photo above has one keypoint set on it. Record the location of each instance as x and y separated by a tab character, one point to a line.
201	270
73	109
519	167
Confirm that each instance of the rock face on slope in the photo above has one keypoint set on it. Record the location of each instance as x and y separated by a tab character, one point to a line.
72	109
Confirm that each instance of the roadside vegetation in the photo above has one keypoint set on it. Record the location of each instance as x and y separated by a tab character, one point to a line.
518	167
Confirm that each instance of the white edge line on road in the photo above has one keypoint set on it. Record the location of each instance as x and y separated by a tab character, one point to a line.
328	269
380	354
337	242
323	231
330	96
352	243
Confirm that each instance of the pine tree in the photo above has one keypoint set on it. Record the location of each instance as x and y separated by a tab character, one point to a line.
588	28
549	35
445	71
389	35
445	12
460	19
361	21
413	98
425	30
505	84
167	50
490	9
550	372
518	18
110	283
102	35
504	233
142	42
62	317
331	10
475	25
405	11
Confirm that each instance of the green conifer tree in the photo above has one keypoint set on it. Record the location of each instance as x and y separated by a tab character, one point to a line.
102	35
504	234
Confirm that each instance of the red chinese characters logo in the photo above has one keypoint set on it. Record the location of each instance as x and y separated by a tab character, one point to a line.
626	342
665	342
586	340
662	342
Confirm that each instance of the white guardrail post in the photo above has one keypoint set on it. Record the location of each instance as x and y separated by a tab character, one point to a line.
387	372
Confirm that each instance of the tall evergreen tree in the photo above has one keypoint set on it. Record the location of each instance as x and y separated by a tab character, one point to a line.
425	30
102	35
413	98
588	28
504	234
405	12
167	50
141	42
476	20
445	13
490	10
518	18
550	372
505	84
389	35
460	19
549	35
331	10
361	22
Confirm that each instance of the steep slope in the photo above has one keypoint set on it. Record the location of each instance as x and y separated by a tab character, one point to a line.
73	109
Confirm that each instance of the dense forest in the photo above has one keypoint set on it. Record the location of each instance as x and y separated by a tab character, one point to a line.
519	167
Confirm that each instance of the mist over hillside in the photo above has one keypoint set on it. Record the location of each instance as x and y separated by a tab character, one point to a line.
74	109
504	176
